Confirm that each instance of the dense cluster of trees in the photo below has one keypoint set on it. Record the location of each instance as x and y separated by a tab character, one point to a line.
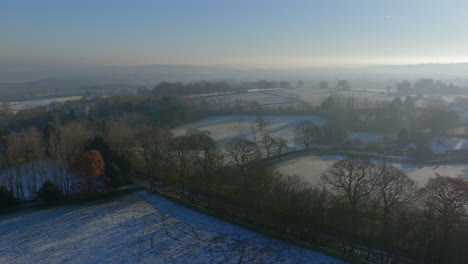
58	152
362	114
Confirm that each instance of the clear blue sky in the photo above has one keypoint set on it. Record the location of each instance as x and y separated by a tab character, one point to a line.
249	32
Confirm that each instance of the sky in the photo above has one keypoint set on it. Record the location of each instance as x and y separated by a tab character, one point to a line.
284	33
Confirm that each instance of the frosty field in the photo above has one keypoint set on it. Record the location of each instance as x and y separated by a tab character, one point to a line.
228	127
225	128
137	228
310	168
310	95
19	105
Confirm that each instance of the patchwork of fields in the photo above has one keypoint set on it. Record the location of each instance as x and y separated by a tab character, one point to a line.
225	128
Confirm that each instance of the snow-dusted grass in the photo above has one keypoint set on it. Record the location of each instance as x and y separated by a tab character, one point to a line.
137	228
225	128
310	168
442	147
257	96
19	105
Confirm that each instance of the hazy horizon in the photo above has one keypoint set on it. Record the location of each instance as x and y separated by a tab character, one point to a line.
258	33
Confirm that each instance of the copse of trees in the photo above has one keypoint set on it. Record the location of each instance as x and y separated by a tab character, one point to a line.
118	167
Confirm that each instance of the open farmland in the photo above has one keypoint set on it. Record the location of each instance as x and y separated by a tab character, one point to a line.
137	228
20	105
310	168
225	128
309	95
228	127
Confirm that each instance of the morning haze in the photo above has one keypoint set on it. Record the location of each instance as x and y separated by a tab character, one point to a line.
246	131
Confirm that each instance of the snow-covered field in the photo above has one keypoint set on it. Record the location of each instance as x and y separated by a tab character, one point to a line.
225	128
137	228
313	96
257	96
19	105
310	168
442	147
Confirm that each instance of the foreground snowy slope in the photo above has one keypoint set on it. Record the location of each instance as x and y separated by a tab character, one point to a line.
137	228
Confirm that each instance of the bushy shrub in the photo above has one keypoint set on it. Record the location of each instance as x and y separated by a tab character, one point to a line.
6	198
49	192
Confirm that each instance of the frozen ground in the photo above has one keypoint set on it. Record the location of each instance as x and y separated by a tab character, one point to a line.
442	147
19	105
260	97
137	228
313	96
310	168
225	128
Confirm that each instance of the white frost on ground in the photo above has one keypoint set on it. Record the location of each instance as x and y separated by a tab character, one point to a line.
310	168
225	128
446	145
137	228
19	105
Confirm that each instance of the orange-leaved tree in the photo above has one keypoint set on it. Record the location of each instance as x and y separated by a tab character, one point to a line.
89	168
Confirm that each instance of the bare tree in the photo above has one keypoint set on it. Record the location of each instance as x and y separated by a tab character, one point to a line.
206	153
242	152
281	145
67	142
183	159
393	188
351	179
267	144
153	148
306	132
446	202
261	122
447	198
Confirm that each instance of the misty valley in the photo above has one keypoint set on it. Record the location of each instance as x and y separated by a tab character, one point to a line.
242	131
